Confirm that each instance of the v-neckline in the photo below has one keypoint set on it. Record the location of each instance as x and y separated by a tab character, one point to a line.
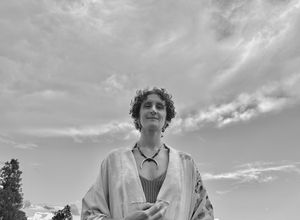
160	176
137	175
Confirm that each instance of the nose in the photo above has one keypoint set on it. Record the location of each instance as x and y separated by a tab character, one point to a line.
153	109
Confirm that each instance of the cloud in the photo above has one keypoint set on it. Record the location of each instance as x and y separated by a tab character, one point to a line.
256	30
26	146
259	172
8	141
269	98
58	57
114	83
119	130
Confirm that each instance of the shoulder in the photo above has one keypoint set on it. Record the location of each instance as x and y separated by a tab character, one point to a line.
117	153
182	155
188	161
114	157
185	156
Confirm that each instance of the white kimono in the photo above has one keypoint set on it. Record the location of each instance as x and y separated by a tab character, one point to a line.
118	191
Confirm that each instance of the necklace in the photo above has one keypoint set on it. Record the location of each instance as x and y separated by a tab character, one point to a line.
149	159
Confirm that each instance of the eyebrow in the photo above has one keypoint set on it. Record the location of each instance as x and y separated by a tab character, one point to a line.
158	102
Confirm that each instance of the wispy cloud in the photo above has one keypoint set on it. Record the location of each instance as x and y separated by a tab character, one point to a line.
91	53
123	130
269	98
259	172
114	83
8	141
260	25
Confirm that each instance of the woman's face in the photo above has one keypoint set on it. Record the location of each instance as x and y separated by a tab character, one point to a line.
153	113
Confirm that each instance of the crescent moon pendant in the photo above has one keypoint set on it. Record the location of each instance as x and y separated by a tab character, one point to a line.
149	160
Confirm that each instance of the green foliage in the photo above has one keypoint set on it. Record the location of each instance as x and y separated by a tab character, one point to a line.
64	214
11	196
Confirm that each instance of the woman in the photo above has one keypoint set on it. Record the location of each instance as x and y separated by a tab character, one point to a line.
150	180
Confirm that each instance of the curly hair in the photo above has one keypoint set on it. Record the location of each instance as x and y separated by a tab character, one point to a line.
141	96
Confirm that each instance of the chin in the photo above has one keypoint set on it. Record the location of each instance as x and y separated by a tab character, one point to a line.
153	128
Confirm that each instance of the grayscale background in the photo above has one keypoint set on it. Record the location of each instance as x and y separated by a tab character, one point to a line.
69	69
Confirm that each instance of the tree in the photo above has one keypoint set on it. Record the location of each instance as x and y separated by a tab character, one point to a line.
64	214
11	196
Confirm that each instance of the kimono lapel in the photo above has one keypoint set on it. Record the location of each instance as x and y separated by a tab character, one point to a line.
131	179
171	187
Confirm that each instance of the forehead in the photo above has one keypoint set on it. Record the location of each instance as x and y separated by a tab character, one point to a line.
154	98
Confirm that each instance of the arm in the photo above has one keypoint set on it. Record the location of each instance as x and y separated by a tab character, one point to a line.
95	201
95	205
202	207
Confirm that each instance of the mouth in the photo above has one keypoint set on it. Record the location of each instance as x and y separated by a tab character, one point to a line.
153	118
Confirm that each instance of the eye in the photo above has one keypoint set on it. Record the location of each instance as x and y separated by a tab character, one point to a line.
160	106
147	105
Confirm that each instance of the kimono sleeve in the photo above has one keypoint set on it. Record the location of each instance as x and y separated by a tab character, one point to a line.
202	208
95	202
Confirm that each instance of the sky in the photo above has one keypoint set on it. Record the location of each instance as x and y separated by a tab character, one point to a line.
70	68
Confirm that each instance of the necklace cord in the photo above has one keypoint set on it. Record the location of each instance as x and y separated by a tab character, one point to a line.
157	152
148	159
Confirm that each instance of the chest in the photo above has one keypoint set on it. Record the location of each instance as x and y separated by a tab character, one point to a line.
149	169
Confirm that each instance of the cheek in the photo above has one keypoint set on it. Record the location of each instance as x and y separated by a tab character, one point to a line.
165	115
142	117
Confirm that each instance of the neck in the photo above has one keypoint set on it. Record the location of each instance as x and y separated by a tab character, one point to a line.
150	140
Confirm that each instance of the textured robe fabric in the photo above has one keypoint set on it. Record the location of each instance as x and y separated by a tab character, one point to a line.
118	192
